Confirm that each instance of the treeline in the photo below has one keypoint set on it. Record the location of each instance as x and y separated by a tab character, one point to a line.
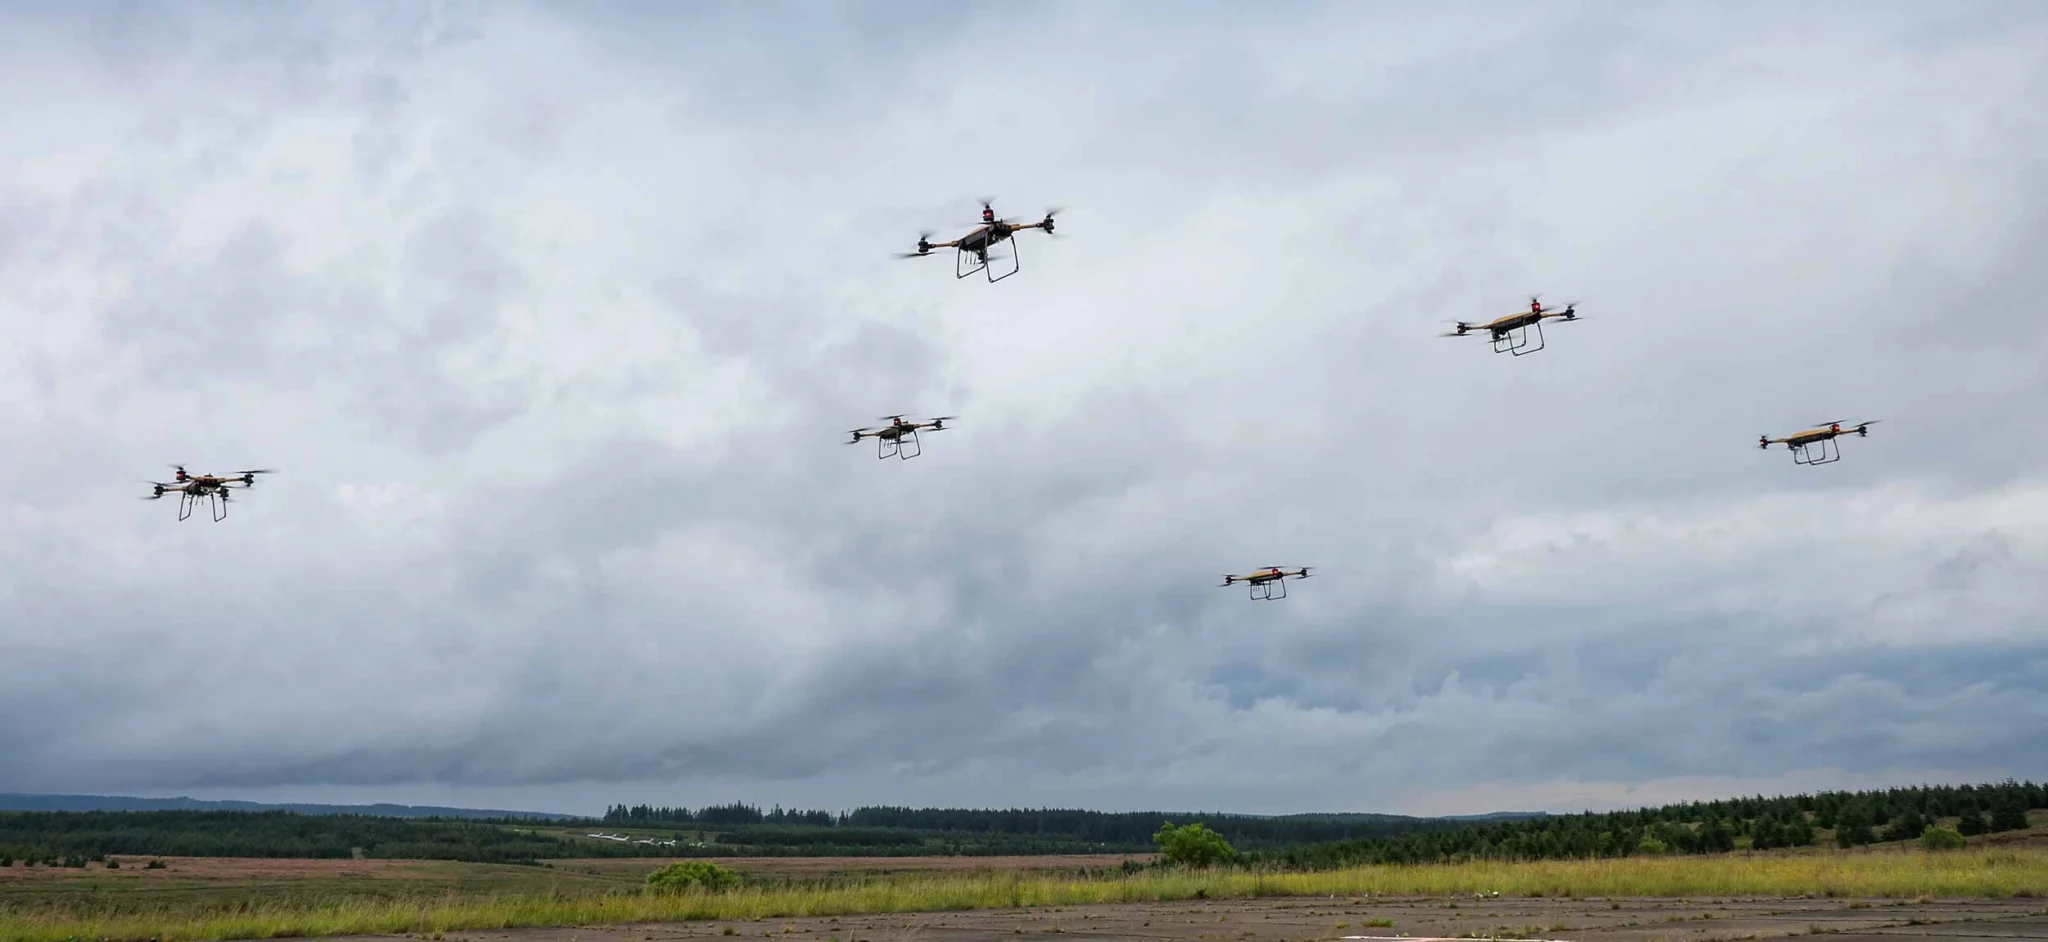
1855	818
56	835
1016	830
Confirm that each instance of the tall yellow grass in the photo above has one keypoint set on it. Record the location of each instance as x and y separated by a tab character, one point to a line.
1976	873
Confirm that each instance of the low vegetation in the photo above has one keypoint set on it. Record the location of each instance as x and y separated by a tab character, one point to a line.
692	875
1976	872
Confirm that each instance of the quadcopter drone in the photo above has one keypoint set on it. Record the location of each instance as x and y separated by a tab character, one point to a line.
1263	581
191	489
890	439
1823	434
1510	333
976	244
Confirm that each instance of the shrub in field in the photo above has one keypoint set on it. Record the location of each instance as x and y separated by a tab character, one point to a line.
1972	823
153	865
113	864
689	873
1192	845
1942	839
6	861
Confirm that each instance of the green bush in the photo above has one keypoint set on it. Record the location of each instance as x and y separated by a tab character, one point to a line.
689	873
153	865
1192	845
1942	839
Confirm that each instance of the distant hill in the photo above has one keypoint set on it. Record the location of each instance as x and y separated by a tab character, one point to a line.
1496	816
19	802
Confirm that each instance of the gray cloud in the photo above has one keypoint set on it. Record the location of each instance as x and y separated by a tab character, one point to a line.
559	362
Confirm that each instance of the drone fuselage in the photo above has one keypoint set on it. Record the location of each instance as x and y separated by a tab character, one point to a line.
981	240
1261	577
1821	434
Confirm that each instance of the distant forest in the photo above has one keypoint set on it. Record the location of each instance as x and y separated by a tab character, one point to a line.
1759	823
51	837
1014	830
45	838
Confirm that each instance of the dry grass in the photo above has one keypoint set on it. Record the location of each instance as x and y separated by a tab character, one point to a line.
1976	873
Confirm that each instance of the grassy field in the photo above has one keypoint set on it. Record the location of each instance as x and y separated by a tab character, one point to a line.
399	897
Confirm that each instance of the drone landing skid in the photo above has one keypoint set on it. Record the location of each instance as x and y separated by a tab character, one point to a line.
885	447
1264	593
186	503
1825	451
963	268
1517	341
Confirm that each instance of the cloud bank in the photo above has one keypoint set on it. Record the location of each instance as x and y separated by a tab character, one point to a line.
554	316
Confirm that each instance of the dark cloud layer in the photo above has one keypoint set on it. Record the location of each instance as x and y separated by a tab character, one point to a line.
558	363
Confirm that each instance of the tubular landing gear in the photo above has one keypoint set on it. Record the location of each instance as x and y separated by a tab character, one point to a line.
1263	592
1825	451
886	447
962	268
186	503
1517	342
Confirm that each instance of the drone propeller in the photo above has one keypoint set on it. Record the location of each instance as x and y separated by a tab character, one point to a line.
1763	441
924	246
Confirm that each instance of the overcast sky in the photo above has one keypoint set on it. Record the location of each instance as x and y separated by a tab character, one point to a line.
554	317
